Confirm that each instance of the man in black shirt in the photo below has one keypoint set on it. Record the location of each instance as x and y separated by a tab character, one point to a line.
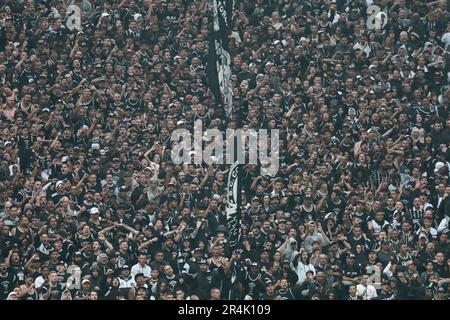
350	270
205	280
7	281
442	268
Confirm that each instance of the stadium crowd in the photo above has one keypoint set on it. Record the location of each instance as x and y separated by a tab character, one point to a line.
92	207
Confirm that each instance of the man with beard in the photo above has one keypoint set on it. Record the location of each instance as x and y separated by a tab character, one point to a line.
205	280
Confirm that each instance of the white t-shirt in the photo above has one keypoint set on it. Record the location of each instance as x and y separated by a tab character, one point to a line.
366	293
137	268
123	283
446	39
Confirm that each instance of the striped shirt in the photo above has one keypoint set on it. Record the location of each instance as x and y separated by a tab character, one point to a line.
377	176
415	216
407	238
442	19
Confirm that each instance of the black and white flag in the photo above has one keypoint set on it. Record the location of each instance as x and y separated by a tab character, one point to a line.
233	210
219	60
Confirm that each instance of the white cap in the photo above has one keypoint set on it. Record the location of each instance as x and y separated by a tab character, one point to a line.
104	14
58	183
13	293
439	165
392	188
93	210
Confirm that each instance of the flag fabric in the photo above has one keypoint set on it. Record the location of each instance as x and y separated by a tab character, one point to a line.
219	59
233	209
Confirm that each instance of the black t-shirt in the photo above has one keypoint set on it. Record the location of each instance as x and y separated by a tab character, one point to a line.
7	284
337	208
351	271
285	294
55	291
253	285
19	272
171	16
441	270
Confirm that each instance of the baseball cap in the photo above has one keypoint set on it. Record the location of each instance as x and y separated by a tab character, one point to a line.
13	293
330	215
269	282
438	166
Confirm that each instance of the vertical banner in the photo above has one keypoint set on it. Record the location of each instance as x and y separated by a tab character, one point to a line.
234	205
219	59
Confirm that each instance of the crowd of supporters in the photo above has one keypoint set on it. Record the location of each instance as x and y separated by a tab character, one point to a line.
92	206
